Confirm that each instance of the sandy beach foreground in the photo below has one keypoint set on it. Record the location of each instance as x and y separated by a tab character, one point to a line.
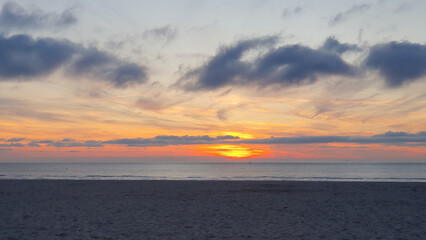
61	209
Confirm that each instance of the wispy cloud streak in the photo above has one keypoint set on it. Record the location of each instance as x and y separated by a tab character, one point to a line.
14	16
343	16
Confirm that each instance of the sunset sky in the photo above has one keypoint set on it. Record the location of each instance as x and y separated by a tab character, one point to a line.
193	80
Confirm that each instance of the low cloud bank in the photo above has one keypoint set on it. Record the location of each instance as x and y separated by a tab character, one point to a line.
388	138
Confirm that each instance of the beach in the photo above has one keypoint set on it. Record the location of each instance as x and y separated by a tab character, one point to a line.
110	209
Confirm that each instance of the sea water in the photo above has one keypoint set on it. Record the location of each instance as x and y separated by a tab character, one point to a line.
290	171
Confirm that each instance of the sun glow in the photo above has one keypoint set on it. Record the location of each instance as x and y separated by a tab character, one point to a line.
233	151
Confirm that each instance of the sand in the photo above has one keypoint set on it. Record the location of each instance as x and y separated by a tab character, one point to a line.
61	209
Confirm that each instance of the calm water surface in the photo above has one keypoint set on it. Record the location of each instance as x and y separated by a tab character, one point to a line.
400	172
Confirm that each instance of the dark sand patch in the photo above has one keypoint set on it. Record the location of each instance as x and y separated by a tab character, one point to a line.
62	209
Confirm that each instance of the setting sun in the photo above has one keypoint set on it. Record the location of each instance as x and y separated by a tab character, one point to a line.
233	151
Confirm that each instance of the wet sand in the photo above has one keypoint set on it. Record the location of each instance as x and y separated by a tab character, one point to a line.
62	209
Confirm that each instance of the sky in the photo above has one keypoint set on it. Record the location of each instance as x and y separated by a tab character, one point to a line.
193	80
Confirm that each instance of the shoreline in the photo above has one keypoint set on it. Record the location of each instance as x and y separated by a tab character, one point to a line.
216	209
214	180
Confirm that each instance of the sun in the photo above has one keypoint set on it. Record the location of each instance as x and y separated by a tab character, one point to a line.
233	151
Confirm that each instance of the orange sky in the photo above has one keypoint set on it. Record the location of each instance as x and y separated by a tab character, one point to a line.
119	82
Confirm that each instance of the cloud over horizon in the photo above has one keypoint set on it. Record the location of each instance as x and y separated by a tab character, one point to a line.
66	142
164	140
388	138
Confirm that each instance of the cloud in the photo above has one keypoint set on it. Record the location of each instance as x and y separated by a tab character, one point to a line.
406	6
332	45
37	143
24	58
388	138
15	139
224	68
284	66
33	144
291	11
11	145
170	140
66	142
13	108
14	16
163	34
158	104
296	64
398	62
222	114
101	65
340	17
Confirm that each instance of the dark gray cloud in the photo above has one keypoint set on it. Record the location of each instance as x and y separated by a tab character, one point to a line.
332	45
226	67
15	139
66	142
22	58
14	16
398	62
342	16
283	66
170	140
101	65
33	144
388	138
296	64
11	144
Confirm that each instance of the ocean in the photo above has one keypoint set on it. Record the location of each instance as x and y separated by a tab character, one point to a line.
287	171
